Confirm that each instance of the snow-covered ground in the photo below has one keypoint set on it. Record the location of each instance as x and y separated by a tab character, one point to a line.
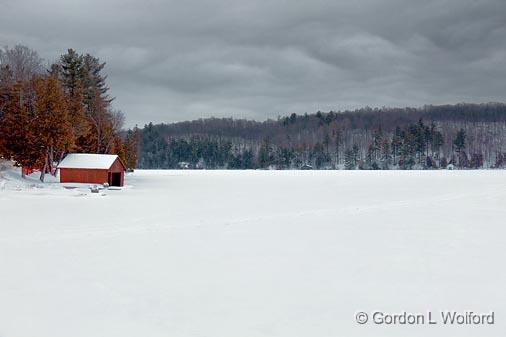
252	253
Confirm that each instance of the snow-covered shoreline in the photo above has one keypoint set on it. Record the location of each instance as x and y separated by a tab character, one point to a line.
253	253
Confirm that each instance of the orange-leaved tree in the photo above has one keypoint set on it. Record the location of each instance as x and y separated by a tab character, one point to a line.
53	126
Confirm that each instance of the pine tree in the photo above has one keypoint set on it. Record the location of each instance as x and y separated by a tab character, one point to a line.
318	155
385	154
355	152
376	144
72	75
93	81
264	154
326	143
437	141
459	146
88	102
460	141
396	144
427	137
338	142
81	125
72	72
349	163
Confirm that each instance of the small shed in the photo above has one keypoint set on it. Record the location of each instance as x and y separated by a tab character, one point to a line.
92	169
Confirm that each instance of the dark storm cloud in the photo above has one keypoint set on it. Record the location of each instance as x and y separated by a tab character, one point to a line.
178	60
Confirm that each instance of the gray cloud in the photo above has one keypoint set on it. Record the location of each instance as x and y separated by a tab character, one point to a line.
178	60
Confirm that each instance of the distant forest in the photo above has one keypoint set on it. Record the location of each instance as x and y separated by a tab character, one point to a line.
464	136
49	110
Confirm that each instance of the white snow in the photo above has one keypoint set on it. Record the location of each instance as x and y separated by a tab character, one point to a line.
88	161
253	253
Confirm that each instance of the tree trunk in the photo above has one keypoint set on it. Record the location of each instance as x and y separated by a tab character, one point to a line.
99	135
62	154
43	171
51	161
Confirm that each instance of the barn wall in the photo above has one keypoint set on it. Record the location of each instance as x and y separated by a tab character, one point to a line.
118	167
90	176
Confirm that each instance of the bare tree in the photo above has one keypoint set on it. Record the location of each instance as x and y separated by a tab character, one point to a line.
22	62
118	121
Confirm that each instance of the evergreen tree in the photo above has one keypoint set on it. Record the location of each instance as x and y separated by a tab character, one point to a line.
420	141
385	154
460	141
326	143
248	159
376	144
284	158
72	72
93	81
88	102
369	158
460	146
265	154
500	160
72	75
318	155
476	161
351	158
338	142
396	144
437	141
355	151
349	162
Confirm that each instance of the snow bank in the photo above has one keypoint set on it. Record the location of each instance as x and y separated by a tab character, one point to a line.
254	253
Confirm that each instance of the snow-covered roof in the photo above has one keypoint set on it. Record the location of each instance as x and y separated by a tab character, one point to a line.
88	161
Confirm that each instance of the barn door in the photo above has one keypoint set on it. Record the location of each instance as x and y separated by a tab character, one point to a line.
116	179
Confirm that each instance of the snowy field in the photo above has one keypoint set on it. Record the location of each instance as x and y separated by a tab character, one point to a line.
252	253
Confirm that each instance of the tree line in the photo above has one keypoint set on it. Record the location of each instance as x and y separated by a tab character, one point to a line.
465	136
48	111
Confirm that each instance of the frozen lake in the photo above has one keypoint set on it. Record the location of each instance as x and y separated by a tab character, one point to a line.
254	253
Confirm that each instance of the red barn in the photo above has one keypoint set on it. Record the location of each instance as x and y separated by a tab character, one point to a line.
92	169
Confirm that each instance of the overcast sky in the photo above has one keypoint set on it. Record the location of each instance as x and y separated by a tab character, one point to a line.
178	60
